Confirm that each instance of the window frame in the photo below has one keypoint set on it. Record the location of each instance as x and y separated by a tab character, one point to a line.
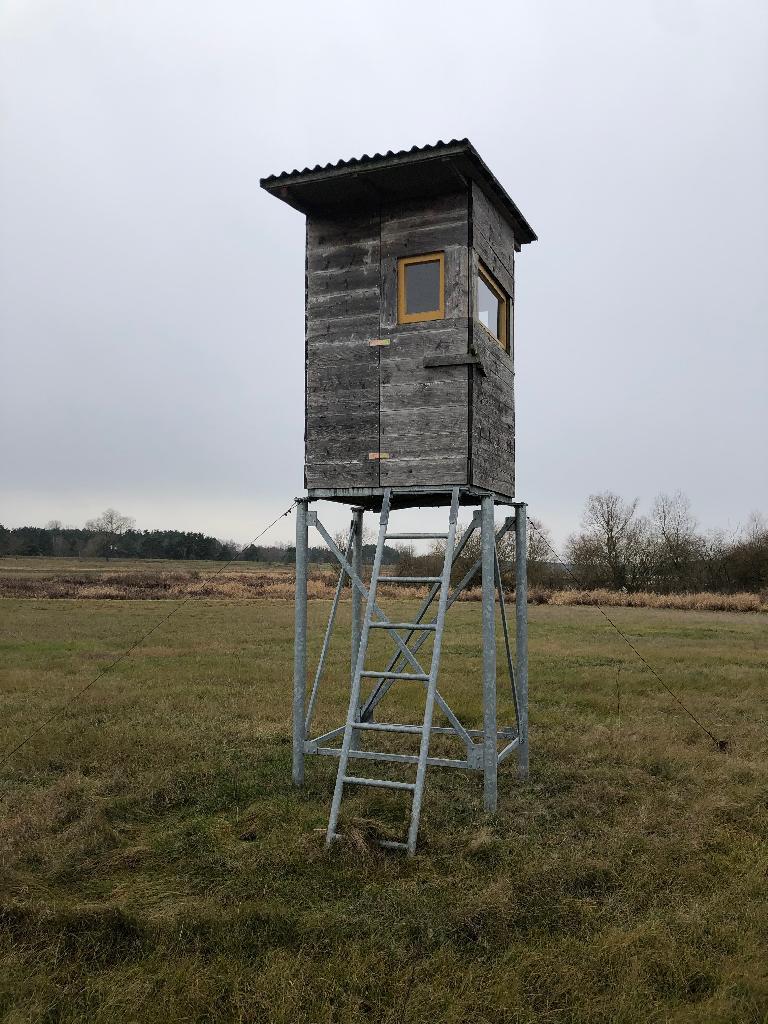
403	317
504	303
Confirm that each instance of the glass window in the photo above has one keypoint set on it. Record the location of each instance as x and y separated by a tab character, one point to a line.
492	306
421	288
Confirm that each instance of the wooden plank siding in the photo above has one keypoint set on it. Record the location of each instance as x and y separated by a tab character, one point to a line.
492	404
439	425
342	370
424	412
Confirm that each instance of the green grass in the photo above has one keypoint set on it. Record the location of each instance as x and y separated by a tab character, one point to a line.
156	865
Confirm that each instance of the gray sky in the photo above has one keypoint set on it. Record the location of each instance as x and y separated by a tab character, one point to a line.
151	295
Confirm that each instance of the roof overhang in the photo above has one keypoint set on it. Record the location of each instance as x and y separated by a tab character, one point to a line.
372	181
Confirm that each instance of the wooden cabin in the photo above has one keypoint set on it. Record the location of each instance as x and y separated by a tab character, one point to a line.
410	291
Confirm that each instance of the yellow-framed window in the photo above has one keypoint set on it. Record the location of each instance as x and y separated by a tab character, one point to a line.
421	288
492	306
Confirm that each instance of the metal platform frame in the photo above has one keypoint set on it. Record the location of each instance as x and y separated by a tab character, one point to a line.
486	748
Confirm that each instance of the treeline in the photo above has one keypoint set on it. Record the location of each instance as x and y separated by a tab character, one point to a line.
85	543
616	548
665	551
112	535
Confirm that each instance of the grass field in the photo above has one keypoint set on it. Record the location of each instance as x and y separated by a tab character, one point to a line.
157	866
34	565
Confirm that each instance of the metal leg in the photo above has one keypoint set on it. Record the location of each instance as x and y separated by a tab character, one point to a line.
488	550
357	601
357	597
521	632
300	642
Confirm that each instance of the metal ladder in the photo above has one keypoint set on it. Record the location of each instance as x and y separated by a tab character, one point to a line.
353	724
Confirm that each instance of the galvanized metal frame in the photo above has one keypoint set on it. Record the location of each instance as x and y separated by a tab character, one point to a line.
481	745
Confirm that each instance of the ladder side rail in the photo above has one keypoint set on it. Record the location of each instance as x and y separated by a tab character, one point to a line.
354	697
418	792
490	722
327	639
521	630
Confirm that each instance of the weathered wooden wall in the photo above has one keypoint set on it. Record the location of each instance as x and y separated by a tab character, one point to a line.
439	424
342	370
424	411
492	405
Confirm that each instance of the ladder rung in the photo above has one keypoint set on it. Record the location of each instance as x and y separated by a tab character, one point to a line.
416	536
388	844
397	675
356	780
389	727
403	625
409	579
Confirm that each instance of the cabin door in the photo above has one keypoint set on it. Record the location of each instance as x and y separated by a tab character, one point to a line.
423	411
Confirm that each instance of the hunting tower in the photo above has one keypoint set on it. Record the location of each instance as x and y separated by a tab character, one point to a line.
410	291
409	401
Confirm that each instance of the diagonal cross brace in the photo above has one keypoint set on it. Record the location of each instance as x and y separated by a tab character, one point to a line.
381	690
404	650
327	639
502	609
385	685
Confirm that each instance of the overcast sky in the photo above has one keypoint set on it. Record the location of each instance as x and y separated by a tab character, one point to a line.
151	295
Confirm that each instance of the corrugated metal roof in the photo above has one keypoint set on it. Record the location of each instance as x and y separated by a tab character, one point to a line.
314	188
366	159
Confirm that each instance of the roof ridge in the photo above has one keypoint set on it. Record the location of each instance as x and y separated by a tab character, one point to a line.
366	158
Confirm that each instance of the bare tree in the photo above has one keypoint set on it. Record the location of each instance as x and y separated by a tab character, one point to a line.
747	560
615	547
539	556
543	568
111	525
680	548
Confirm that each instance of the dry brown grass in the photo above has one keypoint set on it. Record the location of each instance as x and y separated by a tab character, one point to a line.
276	583
701	602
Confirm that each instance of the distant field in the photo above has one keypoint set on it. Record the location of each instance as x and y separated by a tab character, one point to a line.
156	579
30	565
157	866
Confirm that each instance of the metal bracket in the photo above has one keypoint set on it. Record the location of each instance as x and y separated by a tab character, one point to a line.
447	360
475	757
